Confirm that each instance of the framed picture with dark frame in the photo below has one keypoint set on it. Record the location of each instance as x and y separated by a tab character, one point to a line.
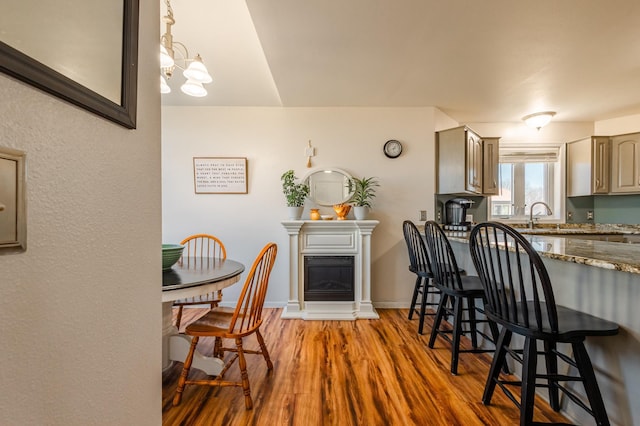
220	175
39	46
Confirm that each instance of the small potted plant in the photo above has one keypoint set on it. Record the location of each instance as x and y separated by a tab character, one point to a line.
364	191
295	194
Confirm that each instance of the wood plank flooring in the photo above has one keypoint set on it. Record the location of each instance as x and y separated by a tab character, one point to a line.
364	372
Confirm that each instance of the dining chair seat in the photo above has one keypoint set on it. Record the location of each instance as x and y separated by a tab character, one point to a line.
470	286
519	297
213	323
572	324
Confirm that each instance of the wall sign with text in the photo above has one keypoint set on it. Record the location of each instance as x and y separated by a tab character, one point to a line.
220	175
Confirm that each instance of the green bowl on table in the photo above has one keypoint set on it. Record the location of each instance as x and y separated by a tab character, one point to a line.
170	255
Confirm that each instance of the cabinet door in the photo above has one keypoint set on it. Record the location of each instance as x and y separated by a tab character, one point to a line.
625	163
600	161
490	165
474	163
579	168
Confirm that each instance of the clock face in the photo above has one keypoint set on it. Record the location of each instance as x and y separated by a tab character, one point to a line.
392	148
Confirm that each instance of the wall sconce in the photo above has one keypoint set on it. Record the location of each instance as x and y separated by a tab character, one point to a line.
193	68
539	119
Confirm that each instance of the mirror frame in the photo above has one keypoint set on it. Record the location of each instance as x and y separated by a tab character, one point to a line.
305	179
24	68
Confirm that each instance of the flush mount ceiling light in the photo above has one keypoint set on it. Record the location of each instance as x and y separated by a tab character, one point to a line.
539	119
193	69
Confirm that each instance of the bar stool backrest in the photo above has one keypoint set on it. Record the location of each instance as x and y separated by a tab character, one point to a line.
515	281
418	257
445	268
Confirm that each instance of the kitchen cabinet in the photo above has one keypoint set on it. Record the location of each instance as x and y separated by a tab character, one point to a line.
588	166
490	166
625	164
460	161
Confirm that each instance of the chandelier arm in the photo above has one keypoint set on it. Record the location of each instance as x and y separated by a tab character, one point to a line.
184	53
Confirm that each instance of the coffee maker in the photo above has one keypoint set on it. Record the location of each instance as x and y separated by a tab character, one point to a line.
456	214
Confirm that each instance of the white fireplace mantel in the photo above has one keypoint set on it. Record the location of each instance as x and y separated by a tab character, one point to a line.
330	238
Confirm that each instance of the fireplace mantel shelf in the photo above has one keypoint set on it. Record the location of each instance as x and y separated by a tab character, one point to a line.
337	238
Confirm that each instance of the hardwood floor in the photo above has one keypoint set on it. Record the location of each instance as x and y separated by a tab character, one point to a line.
364	372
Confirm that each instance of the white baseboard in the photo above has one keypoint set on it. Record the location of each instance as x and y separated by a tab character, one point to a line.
381	305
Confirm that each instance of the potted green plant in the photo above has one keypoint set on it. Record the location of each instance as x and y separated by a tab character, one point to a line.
364	191
295	194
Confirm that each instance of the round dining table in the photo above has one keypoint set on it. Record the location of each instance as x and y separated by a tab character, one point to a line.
192	277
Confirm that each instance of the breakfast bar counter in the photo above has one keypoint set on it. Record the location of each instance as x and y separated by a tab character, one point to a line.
617	256
603	279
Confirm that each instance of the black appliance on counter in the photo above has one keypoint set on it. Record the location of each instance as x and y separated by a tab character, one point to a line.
456	214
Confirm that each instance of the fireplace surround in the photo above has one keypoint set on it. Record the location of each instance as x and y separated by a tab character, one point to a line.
348	240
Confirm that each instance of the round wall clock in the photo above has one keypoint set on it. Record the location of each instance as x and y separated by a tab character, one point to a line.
392	148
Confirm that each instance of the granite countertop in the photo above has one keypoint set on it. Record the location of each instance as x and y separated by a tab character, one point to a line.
580	228
602	254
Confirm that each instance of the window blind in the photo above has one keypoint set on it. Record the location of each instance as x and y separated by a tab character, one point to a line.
522	154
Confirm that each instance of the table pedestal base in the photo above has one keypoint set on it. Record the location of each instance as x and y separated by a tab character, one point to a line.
179	348
175	347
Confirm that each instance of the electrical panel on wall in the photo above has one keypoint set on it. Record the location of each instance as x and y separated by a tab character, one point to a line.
13	224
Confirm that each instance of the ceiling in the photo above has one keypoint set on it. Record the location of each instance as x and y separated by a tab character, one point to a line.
478	61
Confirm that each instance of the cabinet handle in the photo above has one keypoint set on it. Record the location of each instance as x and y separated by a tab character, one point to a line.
597	182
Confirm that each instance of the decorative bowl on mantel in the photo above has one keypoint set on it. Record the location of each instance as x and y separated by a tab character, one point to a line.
342	210
170	255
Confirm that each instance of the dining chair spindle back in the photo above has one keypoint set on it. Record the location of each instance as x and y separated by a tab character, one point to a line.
200	246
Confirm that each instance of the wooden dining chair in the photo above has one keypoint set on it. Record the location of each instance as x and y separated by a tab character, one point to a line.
456	290
520	298
226	323
201	246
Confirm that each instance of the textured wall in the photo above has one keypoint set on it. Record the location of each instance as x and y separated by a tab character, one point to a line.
80	309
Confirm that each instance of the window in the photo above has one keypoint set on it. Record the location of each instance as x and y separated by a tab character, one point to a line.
528	175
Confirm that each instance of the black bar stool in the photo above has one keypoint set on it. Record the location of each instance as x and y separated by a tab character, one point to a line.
459	289
520	298
419	264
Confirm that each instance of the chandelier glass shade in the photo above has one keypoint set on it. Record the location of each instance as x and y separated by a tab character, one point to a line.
539	119
174	55
193	88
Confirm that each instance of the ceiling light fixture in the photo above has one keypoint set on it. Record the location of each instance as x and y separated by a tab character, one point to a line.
193	68
539	119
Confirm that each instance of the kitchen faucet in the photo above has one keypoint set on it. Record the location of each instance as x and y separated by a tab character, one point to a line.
549	212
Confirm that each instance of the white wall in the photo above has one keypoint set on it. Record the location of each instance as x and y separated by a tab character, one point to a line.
274	140
618	126
80	309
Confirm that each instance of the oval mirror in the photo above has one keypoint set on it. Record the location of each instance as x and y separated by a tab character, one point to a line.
328	186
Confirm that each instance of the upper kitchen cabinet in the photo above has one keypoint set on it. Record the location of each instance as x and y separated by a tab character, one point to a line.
625	163
490	166
461	162
588	166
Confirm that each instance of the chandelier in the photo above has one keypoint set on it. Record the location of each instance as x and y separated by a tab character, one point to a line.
539	119
174	54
